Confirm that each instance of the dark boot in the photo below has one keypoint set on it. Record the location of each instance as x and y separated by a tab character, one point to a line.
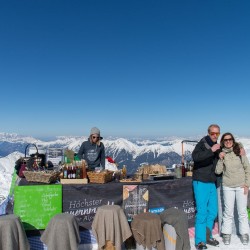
211	241
201	246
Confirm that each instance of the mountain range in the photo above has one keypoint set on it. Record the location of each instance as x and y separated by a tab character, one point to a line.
132	152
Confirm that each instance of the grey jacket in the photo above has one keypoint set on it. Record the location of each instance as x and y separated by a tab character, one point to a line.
178	219
93	154
235	169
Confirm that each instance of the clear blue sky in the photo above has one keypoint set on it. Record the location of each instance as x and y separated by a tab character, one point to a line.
131	68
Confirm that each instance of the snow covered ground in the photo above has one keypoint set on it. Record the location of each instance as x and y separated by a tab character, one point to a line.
235	244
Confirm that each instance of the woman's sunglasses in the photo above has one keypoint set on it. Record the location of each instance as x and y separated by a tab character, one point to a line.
228	140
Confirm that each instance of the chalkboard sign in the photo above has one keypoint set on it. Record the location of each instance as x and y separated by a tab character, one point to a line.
37	204
135	200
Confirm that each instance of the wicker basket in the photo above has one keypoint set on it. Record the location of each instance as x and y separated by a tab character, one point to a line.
41	176
154	169
101	177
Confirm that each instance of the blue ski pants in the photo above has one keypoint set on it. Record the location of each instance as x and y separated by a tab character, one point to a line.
206	208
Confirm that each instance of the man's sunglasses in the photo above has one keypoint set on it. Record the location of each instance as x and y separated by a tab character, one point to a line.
215	133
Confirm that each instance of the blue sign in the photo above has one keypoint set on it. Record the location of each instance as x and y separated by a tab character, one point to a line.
156	210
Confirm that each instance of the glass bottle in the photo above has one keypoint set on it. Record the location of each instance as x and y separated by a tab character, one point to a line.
74	172
183	170
84	171
124	172
77	172
69	172
178	172
65	171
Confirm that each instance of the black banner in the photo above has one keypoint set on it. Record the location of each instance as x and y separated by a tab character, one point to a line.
83	200
173	193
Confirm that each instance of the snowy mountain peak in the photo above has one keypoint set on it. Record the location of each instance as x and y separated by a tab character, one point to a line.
8	137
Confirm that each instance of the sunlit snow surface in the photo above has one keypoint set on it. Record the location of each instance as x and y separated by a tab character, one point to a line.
235	244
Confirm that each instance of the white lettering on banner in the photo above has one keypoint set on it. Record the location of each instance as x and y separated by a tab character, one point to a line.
88	218
188	203
136	205
84	203
189	208
110	203
190	216
84	211
85	218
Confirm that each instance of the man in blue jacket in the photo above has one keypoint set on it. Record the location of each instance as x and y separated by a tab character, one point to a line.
205	156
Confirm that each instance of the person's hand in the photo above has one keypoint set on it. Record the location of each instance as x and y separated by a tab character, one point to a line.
242	152
246	188
215	147
222	155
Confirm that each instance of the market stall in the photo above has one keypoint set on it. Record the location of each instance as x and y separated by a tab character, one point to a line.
70	187
83	200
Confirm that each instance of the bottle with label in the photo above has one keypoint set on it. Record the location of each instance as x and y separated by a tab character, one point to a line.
124	172
78	172
84	171
117	175
183	170
74	172
69	172
178	171
65	171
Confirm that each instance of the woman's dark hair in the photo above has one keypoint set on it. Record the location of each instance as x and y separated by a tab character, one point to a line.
236	146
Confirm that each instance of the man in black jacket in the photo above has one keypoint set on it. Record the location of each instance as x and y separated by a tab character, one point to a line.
205	156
